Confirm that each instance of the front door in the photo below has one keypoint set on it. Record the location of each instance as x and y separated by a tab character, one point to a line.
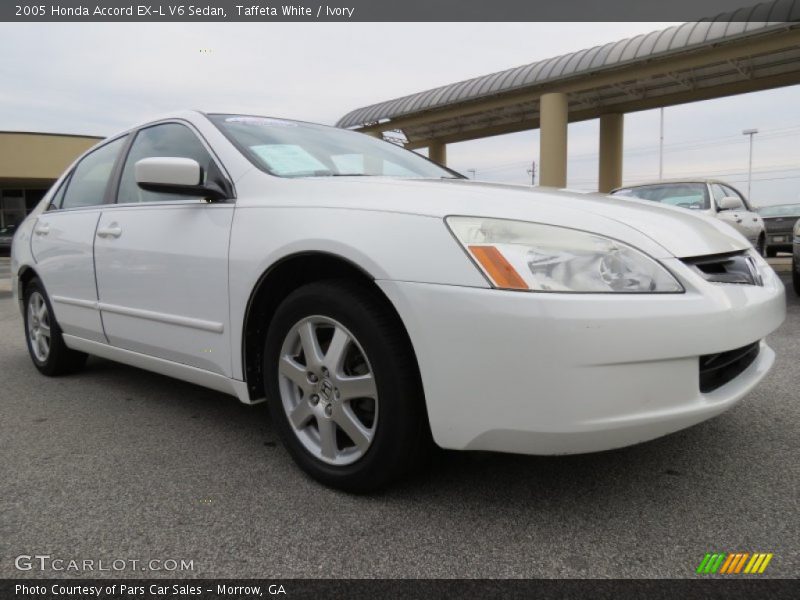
162	262
738	218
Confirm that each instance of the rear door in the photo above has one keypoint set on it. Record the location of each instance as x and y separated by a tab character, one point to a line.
162	261
63	238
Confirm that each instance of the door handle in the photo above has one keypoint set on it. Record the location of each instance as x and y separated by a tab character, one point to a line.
739	220
112	230
42	229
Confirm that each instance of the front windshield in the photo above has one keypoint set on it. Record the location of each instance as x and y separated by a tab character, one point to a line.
685	195
783	210
295	149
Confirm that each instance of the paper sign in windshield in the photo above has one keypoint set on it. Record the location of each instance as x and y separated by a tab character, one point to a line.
288	159
266	121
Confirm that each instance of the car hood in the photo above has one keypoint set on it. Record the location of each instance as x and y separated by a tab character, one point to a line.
659	230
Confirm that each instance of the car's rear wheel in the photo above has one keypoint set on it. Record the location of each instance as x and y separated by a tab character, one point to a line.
343	387
44	337
796	277
772	252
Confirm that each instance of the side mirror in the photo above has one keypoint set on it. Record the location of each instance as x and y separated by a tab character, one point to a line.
172	175
730	203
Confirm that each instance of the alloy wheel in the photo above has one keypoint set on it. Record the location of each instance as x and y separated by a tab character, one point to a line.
39	327
328	390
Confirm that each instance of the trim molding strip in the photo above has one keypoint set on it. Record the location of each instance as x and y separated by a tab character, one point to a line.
149	315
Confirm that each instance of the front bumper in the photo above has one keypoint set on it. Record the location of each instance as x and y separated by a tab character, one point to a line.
569	373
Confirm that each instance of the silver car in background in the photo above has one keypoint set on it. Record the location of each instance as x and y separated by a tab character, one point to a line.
779	221
710	196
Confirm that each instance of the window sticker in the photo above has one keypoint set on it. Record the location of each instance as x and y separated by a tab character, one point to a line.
349	163
288	159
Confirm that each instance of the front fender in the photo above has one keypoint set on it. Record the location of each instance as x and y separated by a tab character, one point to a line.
416	248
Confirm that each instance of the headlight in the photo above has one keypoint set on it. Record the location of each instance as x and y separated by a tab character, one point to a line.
515	255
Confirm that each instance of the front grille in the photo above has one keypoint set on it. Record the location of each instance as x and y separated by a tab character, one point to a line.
718	369
737	267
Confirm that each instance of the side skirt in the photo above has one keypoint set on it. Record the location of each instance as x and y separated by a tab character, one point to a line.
194	375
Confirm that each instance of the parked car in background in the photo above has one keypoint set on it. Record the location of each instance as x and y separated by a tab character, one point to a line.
796	257
779	222
709	196
6	235
375	298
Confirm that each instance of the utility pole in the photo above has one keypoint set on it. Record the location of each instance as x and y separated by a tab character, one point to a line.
473	171
751	133
532	173
661	148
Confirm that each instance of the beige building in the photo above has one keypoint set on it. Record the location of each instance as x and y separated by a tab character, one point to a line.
29	164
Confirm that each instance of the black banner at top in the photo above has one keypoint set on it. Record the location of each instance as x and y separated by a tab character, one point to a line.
153	11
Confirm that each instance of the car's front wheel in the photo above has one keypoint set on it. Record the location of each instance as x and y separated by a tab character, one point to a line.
761	245
343	386
45	341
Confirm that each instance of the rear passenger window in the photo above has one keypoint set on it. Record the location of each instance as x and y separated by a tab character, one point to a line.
87	186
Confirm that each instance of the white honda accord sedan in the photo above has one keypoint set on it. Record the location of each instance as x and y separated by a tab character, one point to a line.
377	300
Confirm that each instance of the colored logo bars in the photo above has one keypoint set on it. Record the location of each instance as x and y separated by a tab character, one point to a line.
734	563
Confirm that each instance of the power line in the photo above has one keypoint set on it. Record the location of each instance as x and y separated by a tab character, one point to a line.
774	133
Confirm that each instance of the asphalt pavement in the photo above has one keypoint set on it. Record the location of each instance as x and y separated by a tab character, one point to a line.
116	463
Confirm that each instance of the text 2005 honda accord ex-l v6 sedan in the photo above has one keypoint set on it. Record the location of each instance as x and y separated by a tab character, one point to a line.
375	299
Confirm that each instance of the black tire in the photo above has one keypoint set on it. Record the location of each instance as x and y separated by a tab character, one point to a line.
401	436
59	359
772	253
761	246
796	277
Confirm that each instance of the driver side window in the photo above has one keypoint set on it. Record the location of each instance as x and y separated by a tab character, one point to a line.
729	191
165	140
721	191
718	192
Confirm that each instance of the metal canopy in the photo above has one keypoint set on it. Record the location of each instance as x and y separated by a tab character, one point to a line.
748	50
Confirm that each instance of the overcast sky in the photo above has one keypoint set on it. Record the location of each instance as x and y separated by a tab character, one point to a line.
99	78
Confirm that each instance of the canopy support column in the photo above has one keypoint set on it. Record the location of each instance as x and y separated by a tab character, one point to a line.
553	111
611	136
437	152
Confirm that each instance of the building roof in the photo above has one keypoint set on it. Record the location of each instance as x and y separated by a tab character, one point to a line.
758	22
47	133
